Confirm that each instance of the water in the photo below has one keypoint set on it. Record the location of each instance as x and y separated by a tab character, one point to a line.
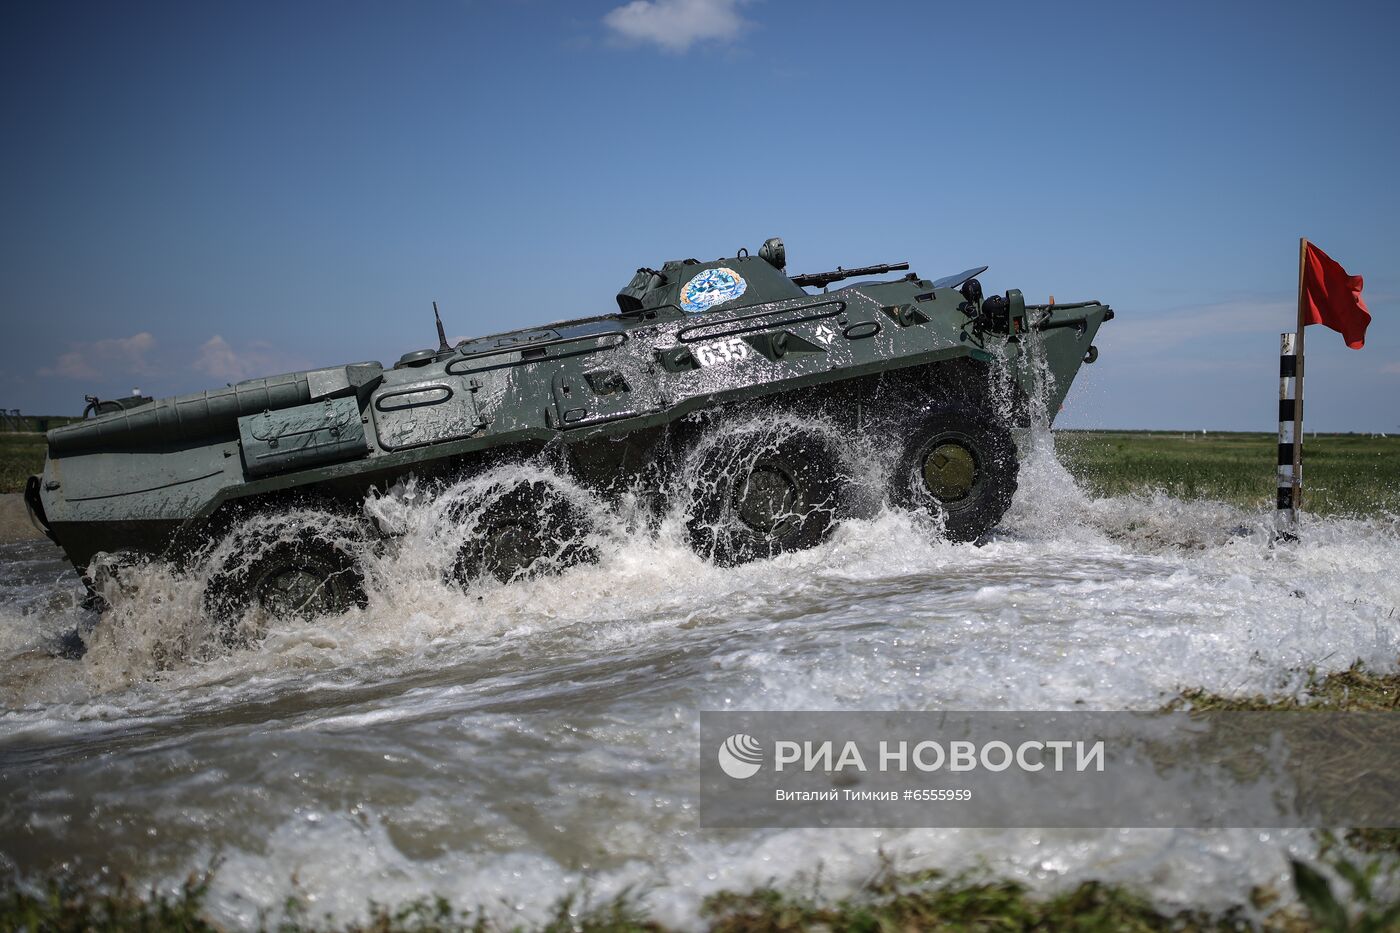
502	746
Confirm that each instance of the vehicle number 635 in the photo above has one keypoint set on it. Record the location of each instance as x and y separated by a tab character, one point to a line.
722	351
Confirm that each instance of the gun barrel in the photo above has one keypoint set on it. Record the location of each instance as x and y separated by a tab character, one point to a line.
821	279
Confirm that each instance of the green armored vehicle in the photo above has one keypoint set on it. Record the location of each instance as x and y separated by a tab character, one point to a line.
725	390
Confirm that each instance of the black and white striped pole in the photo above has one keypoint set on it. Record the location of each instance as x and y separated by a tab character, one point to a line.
1289	446
1290	419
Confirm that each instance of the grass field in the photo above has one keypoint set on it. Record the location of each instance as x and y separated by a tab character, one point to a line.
20	455
1343	474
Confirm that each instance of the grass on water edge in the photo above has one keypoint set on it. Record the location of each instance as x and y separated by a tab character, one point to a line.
1354	689
891	902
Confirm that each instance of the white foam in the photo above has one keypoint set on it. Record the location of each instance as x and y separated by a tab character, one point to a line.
505	743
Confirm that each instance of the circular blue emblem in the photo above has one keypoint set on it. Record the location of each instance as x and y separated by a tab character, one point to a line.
710	288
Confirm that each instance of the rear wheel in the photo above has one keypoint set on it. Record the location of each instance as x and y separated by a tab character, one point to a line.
531	530
959	463
756	495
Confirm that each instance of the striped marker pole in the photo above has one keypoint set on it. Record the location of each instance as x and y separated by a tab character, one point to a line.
1290	418
1289	414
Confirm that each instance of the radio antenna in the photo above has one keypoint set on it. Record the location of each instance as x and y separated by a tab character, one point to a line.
442	334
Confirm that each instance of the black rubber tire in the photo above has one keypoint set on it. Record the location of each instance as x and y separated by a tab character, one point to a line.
309	576
755	496
530	531
992	450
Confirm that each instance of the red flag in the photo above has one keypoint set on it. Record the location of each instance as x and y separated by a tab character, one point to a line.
1332	297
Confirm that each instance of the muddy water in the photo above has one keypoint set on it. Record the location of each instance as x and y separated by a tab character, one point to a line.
500	746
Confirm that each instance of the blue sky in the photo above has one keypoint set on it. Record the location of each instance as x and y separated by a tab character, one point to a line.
199	192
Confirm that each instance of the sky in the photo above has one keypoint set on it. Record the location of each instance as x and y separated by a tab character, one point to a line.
196	193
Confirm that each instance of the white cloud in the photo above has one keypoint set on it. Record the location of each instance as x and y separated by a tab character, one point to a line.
219	360
1391	369
676	25
96	359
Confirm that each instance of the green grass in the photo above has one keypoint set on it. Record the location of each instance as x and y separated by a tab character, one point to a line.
20	455
1343	474
921	903
889	902
64	906
1351	690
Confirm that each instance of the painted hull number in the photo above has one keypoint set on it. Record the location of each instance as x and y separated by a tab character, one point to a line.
732	350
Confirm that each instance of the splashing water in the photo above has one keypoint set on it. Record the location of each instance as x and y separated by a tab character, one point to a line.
499	743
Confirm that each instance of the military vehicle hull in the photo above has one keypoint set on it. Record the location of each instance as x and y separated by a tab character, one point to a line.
619	400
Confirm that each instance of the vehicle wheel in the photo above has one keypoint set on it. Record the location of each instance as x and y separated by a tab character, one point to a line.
756	495
285	572
959	463
531	530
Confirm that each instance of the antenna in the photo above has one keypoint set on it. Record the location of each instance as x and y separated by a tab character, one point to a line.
442	335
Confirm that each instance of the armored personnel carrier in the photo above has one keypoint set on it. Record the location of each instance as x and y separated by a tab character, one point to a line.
651	397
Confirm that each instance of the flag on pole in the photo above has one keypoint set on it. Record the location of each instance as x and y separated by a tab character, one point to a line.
1332	297
1326	295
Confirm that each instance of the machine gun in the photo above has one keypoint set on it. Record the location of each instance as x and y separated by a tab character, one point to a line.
823	279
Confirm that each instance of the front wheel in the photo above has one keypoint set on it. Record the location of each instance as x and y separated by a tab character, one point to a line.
958	464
